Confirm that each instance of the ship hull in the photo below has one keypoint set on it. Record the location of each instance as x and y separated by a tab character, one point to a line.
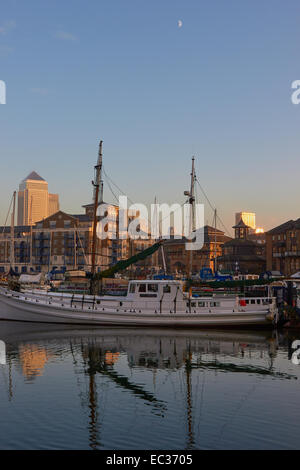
34	310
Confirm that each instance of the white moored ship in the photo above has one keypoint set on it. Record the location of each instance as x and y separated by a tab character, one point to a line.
147	303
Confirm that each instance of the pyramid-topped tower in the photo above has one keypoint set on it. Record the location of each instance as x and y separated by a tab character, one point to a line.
33	176
34	201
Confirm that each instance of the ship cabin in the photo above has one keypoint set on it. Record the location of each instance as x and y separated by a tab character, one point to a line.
166	290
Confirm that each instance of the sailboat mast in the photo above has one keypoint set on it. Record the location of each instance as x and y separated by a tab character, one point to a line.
30	245
98	188
215	247
192	196
192	212
12	233
157	225
163	259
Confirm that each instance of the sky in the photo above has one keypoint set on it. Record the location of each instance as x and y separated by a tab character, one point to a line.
218	88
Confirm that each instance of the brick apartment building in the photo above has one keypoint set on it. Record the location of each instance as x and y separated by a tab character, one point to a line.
65	241
178	258
283	248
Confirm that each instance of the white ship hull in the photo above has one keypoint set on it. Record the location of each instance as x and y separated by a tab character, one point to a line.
23	307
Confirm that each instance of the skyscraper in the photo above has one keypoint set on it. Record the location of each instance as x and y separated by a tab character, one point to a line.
247	217
53	204
34	201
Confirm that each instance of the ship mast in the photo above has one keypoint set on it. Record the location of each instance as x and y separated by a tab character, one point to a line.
30	245
159	234
191	194
98	198
215	245
12	233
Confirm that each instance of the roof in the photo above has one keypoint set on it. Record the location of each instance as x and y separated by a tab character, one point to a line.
55	214
241	241
209	228
209	236
290	225
241	224
82	217
296	275
92	204
34	176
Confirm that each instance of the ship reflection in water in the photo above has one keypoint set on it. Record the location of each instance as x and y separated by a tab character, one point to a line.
65	387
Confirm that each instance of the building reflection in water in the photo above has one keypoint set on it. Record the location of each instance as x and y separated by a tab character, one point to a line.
33	359
157	353
2	353
99	354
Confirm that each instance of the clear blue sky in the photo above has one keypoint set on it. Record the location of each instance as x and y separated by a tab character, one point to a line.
218	88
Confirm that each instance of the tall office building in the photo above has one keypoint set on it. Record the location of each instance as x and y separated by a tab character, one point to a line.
34	201
53	204
247	217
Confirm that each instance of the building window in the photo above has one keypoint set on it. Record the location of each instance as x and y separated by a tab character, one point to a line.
52	223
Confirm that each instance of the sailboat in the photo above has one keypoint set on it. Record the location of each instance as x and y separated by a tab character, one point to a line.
147	302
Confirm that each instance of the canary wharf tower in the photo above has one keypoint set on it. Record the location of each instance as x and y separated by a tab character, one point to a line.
34	201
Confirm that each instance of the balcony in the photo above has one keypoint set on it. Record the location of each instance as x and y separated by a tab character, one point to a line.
279	243
292	253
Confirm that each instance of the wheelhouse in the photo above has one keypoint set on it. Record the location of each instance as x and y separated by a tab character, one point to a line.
156	290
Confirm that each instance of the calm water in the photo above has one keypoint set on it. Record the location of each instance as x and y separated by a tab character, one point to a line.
82	388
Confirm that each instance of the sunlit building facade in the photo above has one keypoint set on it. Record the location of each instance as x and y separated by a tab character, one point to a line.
283	248
34	201
249	218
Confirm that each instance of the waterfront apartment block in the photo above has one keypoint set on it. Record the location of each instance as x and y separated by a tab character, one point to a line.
34	201
66	241
283	248
21	248
56	241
